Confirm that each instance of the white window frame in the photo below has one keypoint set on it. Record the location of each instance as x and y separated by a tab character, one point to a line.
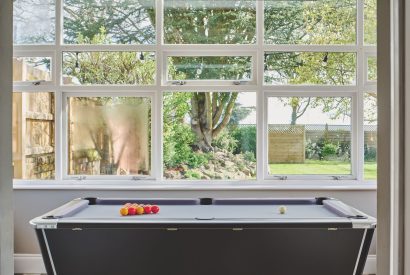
65	126
156	91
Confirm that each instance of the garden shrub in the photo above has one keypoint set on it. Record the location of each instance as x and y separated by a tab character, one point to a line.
329	150
246	139
370	153
225	141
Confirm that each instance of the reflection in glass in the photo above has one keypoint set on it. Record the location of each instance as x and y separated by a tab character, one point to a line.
210	22
310	22
109	135
109	22
131	68
209	135
317	68
33	21
309	135
209	67
33	135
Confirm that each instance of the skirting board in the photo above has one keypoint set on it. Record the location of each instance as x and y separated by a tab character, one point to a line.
33	263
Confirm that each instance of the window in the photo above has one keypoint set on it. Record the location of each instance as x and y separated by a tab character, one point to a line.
195	92
209	68
310	22
109	22
310	68
33	135
209	22
209	135
31	69
309	135
86	68
371	68
109	135
370	136
34	21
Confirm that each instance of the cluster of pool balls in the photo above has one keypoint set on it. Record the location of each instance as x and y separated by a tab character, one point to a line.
131	209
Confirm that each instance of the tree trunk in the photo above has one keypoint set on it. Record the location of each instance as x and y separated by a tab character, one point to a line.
210	114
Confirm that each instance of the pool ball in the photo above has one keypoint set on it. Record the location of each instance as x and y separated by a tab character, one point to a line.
132	211
124	211
282	209
139	210
147	209
155	209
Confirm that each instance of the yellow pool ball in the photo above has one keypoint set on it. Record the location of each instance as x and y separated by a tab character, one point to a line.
282	209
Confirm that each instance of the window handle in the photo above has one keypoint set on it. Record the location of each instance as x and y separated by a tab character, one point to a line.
281	177
240	82
38	82
337	177
80	178
179	82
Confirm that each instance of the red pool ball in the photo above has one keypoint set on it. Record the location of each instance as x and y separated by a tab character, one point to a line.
132	211
155	209
147	209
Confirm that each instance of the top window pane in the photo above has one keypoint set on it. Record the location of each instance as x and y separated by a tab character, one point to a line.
109	22
209	22
33	21
310	22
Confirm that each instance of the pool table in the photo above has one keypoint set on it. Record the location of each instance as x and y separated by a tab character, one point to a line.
221	236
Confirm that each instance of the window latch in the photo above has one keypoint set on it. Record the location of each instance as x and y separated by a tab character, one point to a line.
79	178
281	177
240	82
337	177
38	82
137	178
179	82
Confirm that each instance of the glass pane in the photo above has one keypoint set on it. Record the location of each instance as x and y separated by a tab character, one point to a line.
209	67
109	136
132	68
309	135
109	22
372	68
370	136
33	21
370	22
32	69
310	68
310	22
209	135
33	135
209	22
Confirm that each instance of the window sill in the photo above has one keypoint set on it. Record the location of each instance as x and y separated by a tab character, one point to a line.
340	185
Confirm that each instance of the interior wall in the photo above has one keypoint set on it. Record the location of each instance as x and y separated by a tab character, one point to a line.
33	203
6	185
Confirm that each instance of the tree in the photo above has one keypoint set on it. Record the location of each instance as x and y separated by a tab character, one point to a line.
210	114
125	21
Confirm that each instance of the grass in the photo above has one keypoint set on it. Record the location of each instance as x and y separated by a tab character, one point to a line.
322	167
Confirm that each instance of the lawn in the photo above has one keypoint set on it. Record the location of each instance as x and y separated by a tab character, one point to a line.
322	167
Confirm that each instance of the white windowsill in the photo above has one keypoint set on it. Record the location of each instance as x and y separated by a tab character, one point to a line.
342	185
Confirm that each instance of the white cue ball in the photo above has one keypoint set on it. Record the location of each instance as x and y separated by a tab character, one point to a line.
282	209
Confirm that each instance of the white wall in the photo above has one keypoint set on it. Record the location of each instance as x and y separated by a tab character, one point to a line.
32	203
